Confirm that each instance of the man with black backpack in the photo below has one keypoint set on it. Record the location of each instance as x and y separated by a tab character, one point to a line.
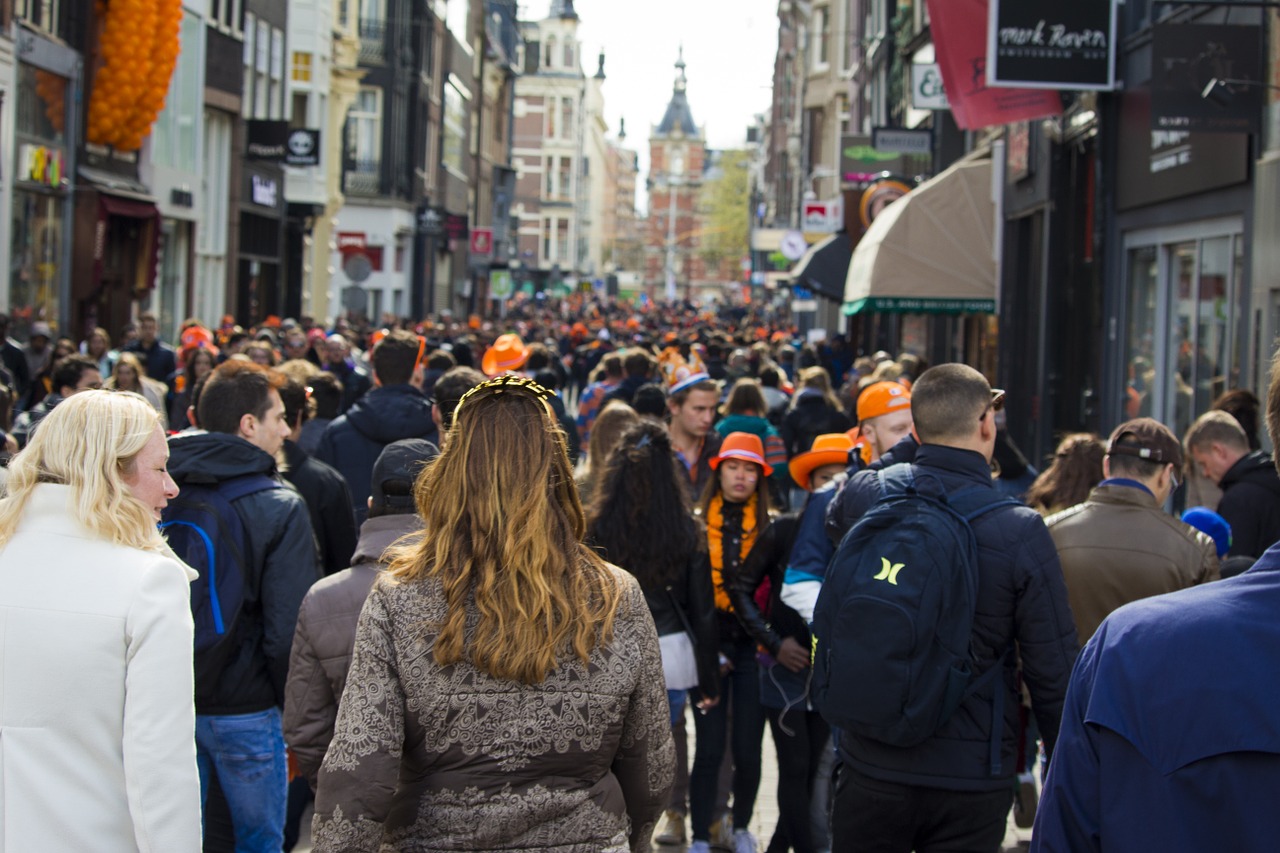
915	632
249	536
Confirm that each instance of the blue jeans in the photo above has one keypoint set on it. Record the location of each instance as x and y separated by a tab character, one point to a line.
246	752
676	699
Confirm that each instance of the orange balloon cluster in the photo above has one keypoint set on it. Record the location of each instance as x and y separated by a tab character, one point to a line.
52	89
139	48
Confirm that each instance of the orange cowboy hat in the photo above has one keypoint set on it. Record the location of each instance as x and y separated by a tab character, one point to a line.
507	353
742	445
829	449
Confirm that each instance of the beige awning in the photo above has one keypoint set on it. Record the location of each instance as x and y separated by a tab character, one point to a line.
930	252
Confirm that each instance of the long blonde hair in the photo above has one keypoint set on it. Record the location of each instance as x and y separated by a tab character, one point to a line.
816	377
504	531
89	442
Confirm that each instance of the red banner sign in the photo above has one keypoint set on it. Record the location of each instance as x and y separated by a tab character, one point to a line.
959	30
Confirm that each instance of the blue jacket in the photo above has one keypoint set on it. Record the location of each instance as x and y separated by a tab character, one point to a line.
352	442
1170	737
1022	599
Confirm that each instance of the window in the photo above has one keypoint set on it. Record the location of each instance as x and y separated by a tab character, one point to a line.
566	120
566	178
40	14
551	52
821	37
301	67
365	124
223	14
456	19
455	128
174	140
549	107
568	53
562	240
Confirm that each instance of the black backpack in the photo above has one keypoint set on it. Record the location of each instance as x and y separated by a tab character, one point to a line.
893	621
204	529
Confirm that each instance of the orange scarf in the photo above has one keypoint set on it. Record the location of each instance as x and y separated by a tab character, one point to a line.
715	543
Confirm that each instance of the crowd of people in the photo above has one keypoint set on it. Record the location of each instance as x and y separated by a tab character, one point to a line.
466	585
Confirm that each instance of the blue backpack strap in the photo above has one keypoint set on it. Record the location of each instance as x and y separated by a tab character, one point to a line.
975	501
238	487
896	479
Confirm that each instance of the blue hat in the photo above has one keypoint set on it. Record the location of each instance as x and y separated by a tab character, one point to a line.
1207	521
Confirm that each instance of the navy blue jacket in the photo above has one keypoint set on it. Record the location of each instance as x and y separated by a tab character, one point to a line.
1022	598
1171	733
281	566
352	442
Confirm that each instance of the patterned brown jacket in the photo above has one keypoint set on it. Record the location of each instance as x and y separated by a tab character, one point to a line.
426	758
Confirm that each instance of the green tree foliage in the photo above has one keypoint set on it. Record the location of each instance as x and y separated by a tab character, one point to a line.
726	203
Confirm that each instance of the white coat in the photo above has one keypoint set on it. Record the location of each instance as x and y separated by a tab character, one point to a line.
97	710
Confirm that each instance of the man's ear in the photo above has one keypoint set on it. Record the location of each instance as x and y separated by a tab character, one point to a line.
248	425
1106	467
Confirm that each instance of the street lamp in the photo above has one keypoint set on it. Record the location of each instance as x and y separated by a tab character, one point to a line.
673	183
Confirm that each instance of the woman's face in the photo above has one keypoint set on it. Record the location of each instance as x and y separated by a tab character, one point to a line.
260	356
202	364
97	345
149	480
125	375
738	479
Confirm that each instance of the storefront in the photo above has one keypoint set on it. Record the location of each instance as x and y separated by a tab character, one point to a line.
47	88
260	290
1179	318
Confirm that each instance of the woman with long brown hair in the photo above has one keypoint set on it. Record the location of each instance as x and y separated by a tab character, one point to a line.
1075	470
506	689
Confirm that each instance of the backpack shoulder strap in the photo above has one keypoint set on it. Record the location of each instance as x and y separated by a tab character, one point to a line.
896	480
976	501
239	487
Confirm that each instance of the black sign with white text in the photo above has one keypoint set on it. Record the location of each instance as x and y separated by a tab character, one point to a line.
1052	44
1207	78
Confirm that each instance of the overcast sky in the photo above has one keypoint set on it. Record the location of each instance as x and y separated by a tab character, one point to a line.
729	47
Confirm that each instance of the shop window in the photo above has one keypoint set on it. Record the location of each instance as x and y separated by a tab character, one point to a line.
1186	330
455	130
36	258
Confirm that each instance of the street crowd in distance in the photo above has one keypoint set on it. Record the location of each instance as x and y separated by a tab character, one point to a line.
541	583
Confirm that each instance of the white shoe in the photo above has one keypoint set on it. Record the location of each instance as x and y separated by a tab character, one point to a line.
700	847
744	842
671	830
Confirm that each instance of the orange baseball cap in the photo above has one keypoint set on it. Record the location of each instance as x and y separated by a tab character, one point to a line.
881	398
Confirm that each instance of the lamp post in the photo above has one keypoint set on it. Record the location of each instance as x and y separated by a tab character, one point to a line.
673	183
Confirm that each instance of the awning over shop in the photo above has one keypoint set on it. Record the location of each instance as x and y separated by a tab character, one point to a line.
774	280
930	252
824	268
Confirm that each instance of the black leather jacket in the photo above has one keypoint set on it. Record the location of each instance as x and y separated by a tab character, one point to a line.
768	559
693	595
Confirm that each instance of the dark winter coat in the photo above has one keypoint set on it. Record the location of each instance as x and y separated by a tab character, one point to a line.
329	504
325	638
1022	599
693	595
1251	504
353	441
811	417
280	566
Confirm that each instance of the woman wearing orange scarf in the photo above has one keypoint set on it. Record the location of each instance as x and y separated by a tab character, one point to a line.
735	508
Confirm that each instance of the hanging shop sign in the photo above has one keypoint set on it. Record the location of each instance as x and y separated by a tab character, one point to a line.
927	91
1207	78
902	141
275	142
959	30
1049	44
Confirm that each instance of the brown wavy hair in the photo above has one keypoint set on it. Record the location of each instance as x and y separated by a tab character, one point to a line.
504	530
1075	470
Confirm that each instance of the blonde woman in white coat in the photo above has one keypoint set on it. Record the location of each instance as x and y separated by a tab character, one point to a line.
97	727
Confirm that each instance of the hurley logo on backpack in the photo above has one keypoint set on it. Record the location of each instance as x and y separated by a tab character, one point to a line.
204	529
893	621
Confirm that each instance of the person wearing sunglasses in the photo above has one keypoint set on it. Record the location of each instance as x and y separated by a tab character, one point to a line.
1120	544
954	787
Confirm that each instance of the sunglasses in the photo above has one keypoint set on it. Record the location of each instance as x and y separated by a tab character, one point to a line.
996	404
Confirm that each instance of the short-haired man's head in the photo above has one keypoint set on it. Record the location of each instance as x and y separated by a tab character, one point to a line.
450	387
326	393
395	357
612	364
441	360
637	362
1217	427
235	389
69	370
948	401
